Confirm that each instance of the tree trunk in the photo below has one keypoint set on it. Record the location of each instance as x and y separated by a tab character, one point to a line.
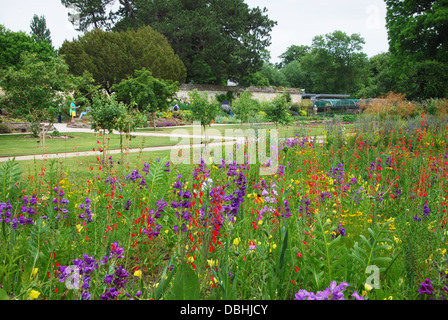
154	120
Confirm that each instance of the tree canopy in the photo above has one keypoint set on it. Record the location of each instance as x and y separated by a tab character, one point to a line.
216	40
418	41
147	92
39	29
113	56
13	44
89	13
337	63
34	91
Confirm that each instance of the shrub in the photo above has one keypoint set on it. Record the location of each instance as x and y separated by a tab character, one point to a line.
4	128
392	105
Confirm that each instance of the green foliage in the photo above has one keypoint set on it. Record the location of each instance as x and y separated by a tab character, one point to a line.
4	128
147	92
381	80
425	80
114	56
106	111
277	111
202	110
89	13
418	46
275	77
13	44
34	91
245	106
10	174
216	40
340	61
39	29
293	53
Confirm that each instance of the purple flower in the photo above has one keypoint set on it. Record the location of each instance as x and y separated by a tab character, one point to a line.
426	288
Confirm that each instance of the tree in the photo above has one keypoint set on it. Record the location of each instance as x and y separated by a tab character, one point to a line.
418	34
147	92
244	106
113	56
296	76
201	109
274	76
89	13
106	111
380	80
293	53
425	80
13	44
34	91
277	111
336	63
39	29
216	40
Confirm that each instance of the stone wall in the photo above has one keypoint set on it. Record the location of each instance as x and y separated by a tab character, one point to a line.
259	93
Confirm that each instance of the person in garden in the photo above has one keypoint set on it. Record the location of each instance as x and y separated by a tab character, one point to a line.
73	108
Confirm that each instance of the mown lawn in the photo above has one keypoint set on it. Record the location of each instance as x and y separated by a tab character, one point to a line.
17	145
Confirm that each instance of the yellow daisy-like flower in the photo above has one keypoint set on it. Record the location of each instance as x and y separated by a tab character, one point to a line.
138	273
236	242
34	294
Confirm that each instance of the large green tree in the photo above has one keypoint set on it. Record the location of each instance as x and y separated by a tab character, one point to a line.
293	53
13	44
217	40
380	80
34	91
336	63
113	56
418	36
39	29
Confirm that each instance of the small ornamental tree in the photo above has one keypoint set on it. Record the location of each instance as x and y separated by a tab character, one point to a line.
202	110
278	110
34	91
106	111
128	121
244	106
148	93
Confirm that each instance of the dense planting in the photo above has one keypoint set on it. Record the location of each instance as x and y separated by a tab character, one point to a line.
360	215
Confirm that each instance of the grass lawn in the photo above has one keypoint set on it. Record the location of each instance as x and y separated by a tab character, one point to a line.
17	145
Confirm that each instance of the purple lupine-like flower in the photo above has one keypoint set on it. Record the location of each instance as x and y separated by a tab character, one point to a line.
426	288
426	210
116	251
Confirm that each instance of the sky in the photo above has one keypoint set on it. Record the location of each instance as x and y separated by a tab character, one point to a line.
298	21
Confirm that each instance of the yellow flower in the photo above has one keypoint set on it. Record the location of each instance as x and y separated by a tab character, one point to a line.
236	242
190	259
274	246
34	294
138	273
368	287
211	262
34	272
79	227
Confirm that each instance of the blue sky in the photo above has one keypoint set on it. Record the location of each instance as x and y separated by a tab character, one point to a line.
298	21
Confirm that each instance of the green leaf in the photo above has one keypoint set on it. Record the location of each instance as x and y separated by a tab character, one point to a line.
3	295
